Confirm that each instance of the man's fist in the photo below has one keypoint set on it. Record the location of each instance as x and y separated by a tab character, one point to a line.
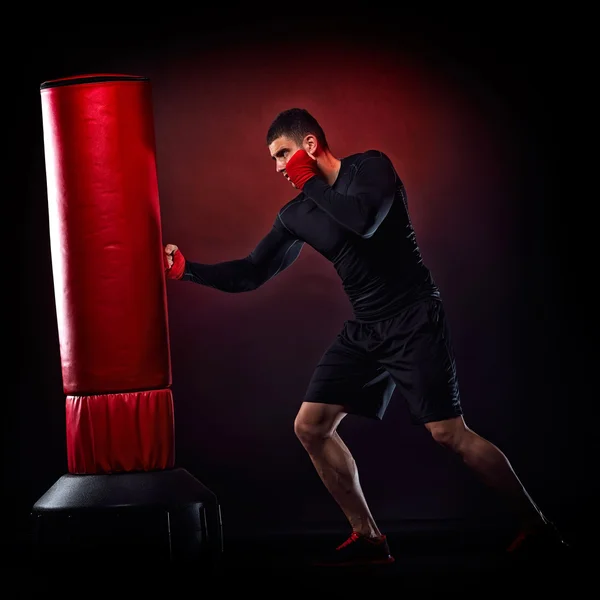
174	262
300	168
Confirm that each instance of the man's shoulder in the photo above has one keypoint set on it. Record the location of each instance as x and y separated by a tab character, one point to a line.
359	157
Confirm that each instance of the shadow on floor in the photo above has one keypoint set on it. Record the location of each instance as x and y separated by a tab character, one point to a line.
429	556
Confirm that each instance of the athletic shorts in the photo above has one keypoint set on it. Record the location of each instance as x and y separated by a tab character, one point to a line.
410	352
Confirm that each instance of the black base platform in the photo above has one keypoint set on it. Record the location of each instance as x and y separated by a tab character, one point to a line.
154	517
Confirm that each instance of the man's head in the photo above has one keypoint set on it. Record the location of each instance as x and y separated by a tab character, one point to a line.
291	130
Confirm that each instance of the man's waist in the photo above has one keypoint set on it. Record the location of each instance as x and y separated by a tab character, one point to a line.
389	307
384	299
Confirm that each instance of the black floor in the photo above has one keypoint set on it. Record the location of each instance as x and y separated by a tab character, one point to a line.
429	556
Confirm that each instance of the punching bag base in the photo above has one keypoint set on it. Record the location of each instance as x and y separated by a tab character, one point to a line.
143	518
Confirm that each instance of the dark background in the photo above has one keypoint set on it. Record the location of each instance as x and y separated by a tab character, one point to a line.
474	120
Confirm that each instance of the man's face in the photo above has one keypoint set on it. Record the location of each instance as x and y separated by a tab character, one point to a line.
282	149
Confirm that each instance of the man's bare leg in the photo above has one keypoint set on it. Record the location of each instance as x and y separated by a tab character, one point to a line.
316	427
490	465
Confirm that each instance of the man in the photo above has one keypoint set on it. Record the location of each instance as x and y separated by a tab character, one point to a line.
354	212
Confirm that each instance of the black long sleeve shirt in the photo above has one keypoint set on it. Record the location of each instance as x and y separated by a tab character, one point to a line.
360	223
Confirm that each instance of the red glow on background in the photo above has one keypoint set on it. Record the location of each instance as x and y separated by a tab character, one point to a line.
219	190
219	195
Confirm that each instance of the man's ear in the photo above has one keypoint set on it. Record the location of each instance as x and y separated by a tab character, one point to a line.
311	145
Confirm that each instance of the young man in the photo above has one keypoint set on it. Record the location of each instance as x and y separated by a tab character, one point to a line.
354	212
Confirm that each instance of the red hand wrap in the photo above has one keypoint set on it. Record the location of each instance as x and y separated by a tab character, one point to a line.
300	168
178	268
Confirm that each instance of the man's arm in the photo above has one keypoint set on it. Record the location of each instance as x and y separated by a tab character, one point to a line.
274	253
367	201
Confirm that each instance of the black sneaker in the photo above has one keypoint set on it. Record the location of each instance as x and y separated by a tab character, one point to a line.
358	550
543	542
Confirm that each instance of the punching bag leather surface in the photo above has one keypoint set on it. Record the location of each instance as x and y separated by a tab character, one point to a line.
107	263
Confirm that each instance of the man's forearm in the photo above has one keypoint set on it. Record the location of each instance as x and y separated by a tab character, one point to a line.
361	216
232	276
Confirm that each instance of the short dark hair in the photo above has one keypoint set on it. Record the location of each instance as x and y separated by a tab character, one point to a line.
295	123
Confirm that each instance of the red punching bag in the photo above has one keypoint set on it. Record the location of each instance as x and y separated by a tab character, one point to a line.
111	307
107	261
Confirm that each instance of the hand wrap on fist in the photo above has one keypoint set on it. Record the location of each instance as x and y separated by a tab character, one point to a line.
300	168
177	268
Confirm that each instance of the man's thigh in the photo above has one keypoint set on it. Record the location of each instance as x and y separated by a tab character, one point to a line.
348	375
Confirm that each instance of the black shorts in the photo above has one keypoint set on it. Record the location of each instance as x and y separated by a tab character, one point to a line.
411	351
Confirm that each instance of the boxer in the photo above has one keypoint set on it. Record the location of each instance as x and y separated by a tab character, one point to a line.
353	211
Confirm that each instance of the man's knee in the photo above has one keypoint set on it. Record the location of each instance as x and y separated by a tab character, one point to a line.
316	422
449	433
310	433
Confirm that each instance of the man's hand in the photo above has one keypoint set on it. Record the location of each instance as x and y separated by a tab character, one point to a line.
174	262
300	168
